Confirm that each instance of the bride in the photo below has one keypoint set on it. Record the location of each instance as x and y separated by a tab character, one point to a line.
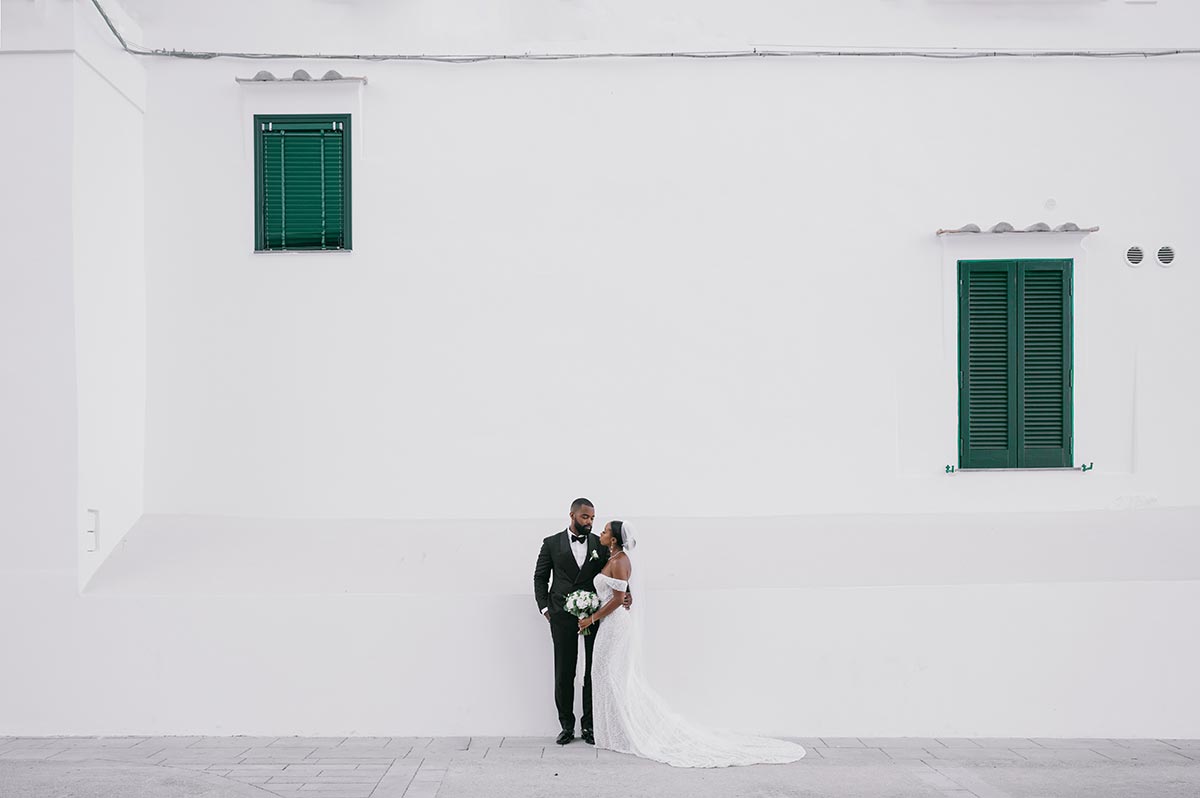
628	716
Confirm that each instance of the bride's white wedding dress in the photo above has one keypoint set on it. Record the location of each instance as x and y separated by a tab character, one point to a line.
628	716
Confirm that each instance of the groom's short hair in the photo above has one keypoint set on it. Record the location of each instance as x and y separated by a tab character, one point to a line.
581	502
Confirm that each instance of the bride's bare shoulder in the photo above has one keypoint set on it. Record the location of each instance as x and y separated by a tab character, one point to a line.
621	568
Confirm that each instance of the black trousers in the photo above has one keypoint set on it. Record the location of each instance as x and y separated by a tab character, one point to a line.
564	628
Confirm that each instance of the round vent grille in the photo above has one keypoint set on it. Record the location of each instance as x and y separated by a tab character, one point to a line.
1135	256
1166	255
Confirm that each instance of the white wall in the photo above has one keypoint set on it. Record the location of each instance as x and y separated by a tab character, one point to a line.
72	329
706	294
687	288
1010	624
1079	660
110	285
37	366
75	244
473	26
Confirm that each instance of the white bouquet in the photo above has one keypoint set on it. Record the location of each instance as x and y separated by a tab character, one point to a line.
581	604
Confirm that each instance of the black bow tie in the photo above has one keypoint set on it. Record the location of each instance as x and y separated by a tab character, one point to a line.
579	538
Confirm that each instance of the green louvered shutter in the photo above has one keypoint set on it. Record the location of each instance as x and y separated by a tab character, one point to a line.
270	210
987	351
302	180
1044	368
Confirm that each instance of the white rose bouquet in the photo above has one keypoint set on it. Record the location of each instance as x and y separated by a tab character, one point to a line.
581	604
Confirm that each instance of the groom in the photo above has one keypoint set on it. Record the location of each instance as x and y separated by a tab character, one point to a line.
574	557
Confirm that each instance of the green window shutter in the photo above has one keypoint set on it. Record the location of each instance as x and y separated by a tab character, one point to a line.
987	352
270	173
302	180
1044	377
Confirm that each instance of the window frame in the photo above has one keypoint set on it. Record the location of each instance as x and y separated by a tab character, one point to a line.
260	232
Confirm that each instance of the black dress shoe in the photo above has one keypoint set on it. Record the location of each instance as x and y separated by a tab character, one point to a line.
588	737
565	737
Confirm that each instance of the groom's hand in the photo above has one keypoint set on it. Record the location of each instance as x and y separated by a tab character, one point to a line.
546	613
628	602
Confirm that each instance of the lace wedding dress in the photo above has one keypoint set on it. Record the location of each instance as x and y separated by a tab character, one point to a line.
628	716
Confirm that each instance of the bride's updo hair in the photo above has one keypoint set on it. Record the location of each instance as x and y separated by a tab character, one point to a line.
623	533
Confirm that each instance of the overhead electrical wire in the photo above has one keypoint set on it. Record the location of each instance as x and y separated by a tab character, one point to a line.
757	52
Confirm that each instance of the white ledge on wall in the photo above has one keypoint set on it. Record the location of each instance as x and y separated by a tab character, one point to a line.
301	76
1005	227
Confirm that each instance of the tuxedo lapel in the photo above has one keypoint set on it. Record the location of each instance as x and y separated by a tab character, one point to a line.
594	548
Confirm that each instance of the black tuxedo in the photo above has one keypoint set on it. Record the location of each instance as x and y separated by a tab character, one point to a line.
556	559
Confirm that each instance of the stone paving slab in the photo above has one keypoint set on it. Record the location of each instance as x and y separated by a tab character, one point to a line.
286	752
1060	755
977	754
958	742
36	742
641	779
969	780
159	743
1156	755
898	742
171	755
1064	742
32	779
531	742
1086	781
352	760
485	742
1005	742
107	754
521	752
357	752
306	742
932	777
422	790
905	753
365	742
856	754
842	742
21	754
233	742
1142	743
339	788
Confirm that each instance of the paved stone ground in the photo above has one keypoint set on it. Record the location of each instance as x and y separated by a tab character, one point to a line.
495	767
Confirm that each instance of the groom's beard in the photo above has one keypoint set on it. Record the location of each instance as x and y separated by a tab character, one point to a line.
580	530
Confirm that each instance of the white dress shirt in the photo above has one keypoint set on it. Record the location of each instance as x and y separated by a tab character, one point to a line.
578	548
